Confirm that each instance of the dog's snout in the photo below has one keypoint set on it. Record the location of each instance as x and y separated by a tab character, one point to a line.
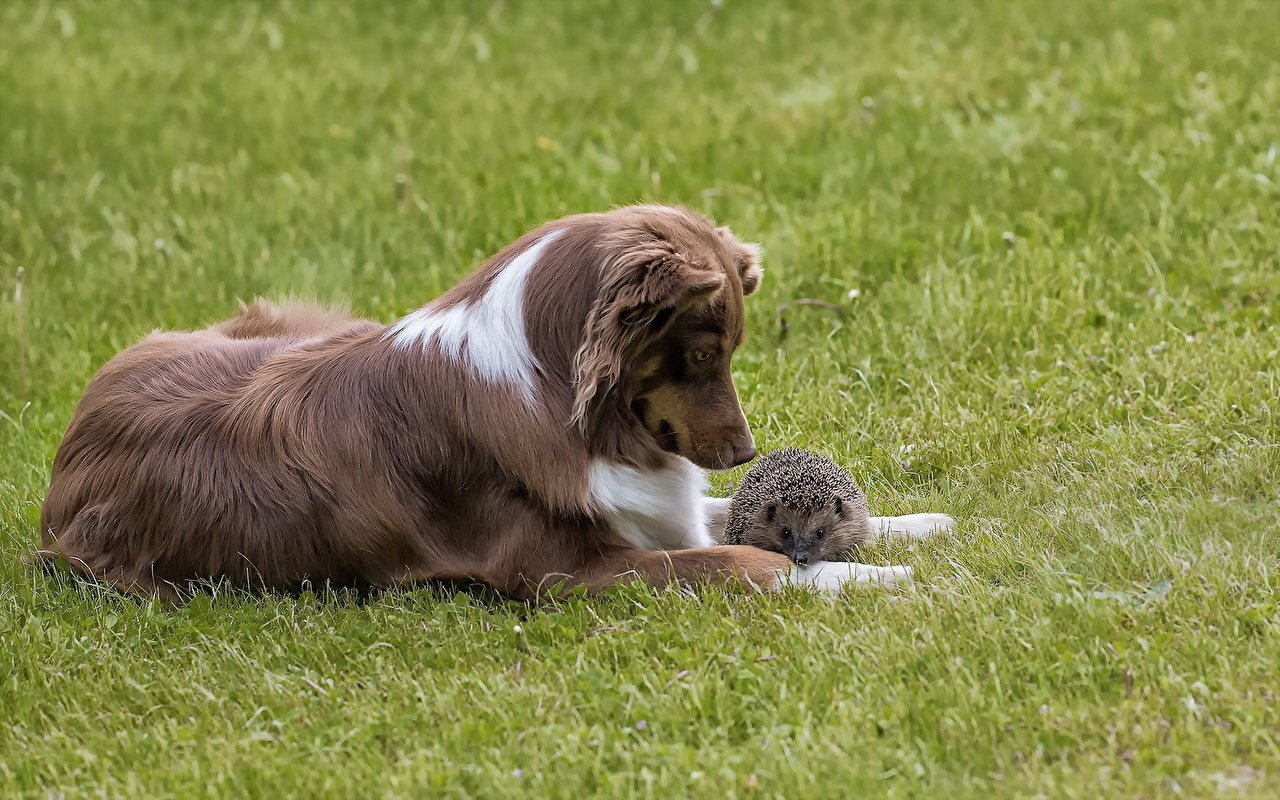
743	451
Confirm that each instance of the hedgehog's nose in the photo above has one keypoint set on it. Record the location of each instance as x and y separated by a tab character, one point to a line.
801	557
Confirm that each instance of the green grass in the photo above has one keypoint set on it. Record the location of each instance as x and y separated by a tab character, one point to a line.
1062	222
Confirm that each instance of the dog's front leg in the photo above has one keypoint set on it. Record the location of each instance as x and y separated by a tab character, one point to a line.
727	564
718	565
911	526
715	511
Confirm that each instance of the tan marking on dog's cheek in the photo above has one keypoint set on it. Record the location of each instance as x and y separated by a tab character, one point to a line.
667	404
649	369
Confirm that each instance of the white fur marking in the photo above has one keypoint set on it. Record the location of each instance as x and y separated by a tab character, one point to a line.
911	526
715	511
488	333
829	576
653	510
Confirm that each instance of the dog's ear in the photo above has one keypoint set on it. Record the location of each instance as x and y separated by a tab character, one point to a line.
749	267
645	282
747	256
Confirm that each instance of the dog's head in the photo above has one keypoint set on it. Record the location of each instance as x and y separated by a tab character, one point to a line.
662	331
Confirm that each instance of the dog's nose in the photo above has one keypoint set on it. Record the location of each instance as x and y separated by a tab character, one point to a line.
743	451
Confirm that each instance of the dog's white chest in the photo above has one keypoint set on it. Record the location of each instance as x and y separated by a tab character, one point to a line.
652	509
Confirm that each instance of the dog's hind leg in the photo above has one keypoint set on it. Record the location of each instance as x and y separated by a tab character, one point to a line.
79	546
129	582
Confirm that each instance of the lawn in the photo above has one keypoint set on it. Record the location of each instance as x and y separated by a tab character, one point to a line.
1052	228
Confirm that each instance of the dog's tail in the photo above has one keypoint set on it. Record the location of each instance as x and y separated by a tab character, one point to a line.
288	319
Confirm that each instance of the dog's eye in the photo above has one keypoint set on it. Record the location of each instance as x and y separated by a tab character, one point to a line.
786	534
701	355
819	533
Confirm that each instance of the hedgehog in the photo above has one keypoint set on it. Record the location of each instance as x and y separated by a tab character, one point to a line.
802	505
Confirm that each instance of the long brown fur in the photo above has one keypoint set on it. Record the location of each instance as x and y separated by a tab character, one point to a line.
293	444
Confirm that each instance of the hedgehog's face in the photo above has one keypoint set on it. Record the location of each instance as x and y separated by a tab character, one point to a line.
827	533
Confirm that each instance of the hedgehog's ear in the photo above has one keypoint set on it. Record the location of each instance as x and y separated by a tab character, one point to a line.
839	507
770	512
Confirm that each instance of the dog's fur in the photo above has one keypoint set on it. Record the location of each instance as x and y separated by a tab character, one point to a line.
542	424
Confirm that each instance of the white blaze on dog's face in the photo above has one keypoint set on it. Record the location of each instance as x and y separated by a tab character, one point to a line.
674	317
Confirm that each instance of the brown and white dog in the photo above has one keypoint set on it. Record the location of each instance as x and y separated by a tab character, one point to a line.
541	425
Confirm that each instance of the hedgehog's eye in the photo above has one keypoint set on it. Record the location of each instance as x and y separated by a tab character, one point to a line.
819	533
786	534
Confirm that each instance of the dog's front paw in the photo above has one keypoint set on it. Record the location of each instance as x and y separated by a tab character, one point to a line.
896	575
829	576
913	526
